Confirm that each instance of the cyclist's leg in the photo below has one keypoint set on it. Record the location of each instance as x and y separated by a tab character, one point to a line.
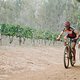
74	50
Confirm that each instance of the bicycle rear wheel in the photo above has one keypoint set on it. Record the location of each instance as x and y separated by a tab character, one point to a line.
66	58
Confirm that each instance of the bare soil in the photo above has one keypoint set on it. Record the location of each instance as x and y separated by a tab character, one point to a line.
36	63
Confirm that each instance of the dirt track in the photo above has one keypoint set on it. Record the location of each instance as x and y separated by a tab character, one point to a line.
35	63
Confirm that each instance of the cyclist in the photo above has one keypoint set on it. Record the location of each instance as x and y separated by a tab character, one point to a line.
69	33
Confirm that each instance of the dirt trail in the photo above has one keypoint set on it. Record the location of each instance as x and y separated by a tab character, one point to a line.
36	63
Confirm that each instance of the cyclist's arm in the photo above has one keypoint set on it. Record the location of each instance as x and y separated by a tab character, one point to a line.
77	34
59	36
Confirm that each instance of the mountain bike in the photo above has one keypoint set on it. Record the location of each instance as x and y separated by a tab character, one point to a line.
68	54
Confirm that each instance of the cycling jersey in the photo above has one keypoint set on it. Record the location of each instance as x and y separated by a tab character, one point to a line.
70	32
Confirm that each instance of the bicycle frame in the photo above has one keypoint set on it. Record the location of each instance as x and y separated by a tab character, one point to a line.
68	44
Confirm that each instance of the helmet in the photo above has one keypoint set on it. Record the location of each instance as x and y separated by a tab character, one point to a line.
67	24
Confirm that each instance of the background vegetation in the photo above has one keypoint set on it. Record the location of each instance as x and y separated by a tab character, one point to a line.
37	19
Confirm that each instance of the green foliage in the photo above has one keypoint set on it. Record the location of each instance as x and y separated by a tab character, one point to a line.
18	31
27	32
38	34
48	35
54	36
78	0
3	27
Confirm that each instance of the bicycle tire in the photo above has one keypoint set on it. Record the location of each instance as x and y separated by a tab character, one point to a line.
66	58
72	59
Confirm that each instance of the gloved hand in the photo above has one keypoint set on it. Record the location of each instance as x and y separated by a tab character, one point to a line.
58	39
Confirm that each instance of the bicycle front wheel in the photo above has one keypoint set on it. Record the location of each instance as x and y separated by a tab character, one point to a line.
66	57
